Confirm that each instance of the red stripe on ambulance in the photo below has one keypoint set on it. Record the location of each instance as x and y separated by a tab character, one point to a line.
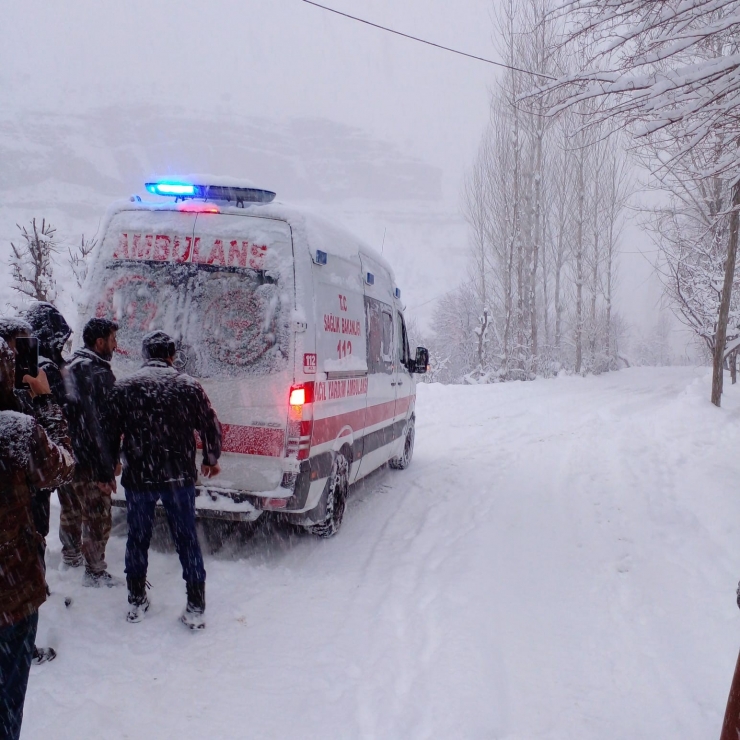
327	429
247	440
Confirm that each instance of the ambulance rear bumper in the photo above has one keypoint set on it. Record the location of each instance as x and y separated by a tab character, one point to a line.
299	493
209	505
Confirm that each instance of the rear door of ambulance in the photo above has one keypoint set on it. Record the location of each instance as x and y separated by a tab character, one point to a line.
223	286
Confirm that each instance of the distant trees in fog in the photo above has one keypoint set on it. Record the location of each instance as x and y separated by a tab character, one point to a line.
545	202
667	71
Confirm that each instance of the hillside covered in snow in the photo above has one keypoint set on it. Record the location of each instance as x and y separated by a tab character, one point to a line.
69	168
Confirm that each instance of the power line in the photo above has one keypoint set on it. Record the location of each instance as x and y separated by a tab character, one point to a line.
429	43
434	298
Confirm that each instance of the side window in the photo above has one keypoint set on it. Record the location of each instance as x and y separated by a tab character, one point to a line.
387	348
404	353
379	337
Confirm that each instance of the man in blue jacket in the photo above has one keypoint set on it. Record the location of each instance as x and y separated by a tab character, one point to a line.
155	413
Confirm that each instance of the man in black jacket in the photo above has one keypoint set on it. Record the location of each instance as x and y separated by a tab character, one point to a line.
85	520
157	412
52	330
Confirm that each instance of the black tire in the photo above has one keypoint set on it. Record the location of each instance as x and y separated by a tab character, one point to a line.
336	499
216	532
402	462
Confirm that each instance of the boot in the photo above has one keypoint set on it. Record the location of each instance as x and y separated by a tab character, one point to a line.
75	561
96	580
137	599
43	655
193	617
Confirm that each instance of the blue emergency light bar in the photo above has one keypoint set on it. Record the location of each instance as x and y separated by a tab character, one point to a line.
171	188
182	190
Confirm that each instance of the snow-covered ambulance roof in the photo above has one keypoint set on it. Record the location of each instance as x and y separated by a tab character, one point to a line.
315	230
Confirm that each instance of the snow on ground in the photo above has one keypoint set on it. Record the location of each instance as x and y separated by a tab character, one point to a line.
559	562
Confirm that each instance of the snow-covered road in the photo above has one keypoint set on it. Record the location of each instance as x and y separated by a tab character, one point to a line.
559	561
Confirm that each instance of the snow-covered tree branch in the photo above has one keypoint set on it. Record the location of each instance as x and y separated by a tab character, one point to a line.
669	71
31	262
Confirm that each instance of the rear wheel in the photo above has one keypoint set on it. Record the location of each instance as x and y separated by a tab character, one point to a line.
402	462
216	532
336	499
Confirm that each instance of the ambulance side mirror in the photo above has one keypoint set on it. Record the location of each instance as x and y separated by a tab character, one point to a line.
421	363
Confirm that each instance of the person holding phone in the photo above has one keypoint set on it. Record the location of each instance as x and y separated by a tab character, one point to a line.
85	521
17	334
29	458
52	331
12	328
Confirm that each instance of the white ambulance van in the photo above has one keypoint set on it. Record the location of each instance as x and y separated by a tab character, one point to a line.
294	328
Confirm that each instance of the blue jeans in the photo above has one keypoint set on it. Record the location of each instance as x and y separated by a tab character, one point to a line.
16	651
179	505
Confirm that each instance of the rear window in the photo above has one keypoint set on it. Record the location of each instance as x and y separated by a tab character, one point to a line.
220	285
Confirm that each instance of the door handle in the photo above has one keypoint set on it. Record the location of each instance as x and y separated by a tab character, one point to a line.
393	382
400	382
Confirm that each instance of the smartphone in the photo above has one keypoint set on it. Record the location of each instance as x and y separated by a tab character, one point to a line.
26	359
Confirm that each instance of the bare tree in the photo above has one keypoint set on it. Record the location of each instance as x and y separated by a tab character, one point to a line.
31	262
691	233
453	341
544	224
667	70
79	258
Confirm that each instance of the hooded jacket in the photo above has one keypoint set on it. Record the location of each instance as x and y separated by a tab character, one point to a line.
89	381
157	411
34	452
52	331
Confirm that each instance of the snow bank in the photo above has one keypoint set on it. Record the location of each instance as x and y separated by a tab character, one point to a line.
558	562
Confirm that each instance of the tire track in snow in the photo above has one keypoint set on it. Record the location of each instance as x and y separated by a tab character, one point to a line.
537	572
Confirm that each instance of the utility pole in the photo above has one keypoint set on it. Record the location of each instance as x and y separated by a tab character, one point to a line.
731	725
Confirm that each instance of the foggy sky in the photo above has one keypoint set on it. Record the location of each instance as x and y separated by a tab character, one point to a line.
281	61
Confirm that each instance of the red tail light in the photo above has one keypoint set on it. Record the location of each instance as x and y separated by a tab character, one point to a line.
300	420
297	396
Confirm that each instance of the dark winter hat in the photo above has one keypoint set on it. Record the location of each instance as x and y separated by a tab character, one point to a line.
12	327
157	345
97	329
48	324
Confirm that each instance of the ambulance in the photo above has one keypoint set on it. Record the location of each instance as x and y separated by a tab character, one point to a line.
293	326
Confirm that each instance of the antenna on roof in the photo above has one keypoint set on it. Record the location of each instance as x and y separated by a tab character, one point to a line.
382	246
